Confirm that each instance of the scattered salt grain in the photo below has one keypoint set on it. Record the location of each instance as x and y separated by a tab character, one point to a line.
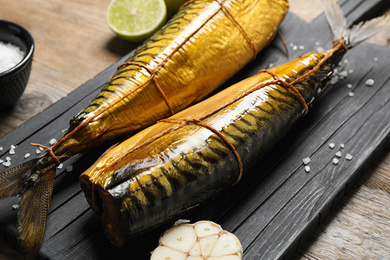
342	145
320	49
15	206
376	59
291	44
60	166
295	47
10	55
271	65
27	155
349	85
338	154
12	149
343	74
52	141
307	168
38	151
1	148
69	168
335	161
350	71
334	80
346	61
370	82
301	47
7	163
306	160
1	160
348	157
331	145
351	94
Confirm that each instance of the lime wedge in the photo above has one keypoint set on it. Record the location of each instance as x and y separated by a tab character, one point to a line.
136	20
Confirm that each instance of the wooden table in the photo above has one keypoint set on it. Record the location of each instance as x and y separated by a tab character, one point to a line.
73	44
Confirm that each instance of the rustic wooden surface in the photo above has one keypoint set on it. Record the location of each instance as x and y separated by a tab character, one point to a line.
73	44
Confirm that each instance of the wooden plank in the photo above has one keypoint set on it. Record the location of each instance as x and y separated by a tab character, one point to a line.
270	211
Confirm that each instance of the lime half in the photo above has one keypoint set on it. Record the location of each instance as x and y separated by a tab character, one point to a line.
136	20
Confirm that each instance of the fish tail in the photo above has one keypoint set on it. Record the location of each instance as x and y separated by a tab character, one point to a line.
351	36
33	182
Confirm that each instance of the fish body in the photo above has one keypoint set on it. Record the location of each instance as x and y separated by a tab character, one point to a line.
202	46
186	159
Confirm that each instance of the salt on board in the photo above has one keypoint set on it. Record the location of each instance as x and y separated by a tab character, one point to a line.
10	55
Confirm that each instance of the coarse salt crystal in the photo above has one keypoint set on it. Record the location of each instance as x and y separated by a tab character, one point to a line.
351	94
350	71
27	155
343	74
38	151
331	145
306	160
338	154
301	47
53	141
60	166
348	157
342	145
12	149
295	47
346	61
1	160
370	82
1	148
15	206
349	85
10	55
320	49
307	168
335	161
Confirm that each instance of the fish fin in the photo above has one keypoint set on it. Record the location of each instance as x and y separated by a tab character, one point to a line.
355	34
33	182
32	213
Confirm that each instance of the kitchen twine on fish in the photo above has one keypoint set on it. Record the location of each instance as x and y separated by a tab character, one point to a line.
186	121
152	78
288	85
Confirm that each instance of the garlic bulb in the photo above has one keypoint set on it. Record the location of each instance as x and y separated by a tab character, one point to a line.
203	240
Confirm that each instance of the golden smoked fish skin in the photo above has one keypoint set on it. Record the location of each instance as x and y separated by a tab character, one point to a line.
195	52
201	47
175	165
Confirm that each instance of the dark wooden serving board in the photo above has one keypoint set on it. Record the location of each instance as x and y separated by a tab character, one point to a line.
277	204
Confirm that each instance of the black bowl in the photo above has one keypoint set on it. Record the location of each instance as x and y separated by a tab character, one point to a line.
14	80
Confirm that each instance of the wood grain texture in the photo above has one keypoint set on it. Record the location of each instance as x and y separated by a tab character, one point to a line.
56	72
